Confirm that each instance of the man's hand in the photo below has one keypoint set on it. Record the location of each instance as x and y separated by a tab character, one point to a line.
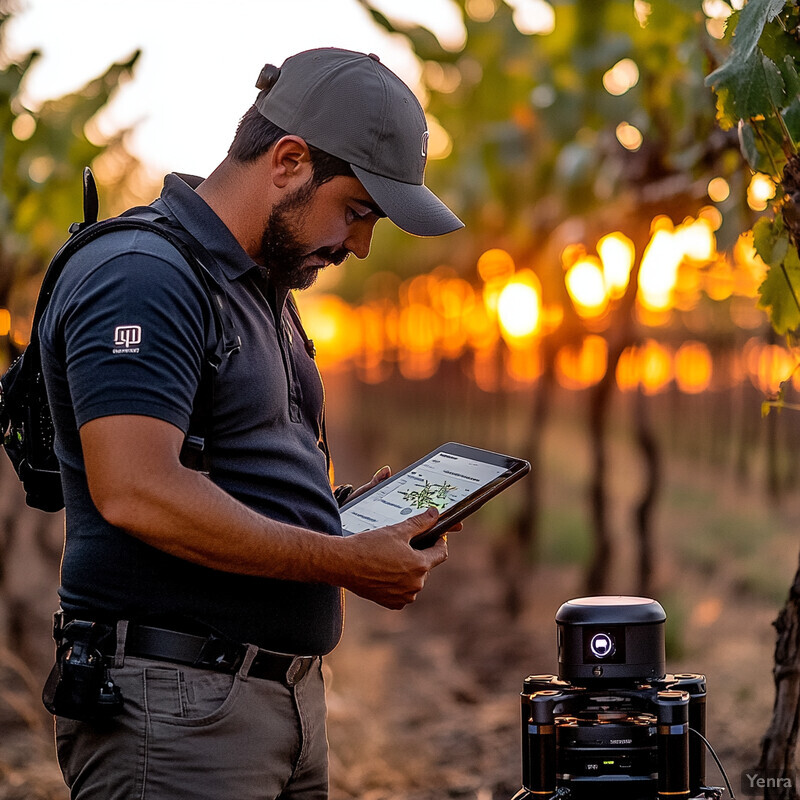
385	568
381	475
138	484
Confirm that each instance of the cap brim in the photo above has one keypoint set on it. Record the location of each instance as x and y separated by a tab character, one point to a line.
412	207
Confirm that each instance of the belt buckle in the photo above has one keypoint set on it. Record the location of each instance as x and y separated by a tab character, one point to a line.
217	654
298	669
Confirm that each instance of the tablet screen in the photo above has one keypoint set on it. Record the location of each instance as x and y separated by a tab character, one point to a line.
442	480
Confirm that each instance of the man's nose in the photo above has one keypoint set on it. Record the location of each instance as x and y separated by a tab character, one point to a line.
359	238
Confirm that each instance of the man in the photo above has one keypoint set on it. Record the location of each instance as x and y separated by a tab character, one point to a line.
187	589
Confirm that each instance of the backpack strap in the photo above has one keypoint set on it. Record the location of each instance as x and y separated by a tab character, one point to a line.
311	349
198	257
194	453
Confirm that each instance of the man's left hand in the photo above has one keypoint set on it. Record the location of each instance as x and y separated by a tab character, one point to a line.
381	475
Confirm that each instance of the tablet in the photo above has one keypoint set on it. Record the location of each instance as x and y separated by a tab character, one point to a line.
455	478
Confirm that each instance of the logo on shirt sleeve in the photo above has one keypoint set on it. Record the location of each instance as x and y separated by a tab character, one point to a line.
127	338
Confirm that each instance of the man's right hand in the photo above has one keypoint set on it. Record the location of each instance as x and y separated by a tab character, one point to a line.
384	566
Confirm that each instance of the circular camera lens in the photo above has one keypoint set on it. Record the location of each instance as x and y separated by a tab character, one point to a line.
602	645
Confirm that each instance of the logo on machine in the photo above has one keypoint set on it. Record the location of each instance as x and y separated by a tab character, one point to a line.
127	338
602	645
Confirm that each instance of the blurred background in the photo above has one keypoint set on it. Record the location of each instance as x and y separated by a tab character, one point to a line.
597	316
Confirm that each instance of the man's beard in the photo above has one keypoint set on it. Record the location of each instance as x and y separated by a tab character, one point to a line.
283	253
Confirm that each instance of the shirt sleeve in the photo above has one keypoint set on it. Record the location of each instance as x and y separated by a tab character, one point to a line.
134	336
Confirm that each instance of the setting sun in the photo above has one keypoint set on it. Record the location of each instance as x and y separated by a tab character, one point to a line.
519	308
587	287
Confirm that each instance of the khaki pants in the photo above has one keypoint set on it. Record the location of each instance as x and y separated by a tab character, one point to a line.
193	734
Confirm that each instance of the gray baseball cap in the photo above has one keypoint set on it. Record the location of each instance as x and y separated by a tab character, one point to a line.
353	107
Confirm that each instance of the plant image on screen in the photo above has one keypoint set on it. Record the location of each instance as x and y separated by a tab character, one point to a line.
431	494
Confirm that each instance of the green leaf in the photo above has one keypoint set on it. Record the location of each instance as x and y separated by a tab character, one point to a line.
791	116
780	250
766	233
726	112
756	86
778	292
747	144
791	80
755	15
752	19
776	43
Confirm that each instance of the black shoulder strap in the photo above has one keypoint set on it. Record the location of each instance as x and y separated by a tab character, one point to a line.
196	255
294	312
88	230
194	453
226	340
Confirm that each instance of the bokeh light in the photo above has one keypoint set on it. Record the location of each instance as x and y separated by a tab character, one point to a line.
629	136
693	367
647	367
768	365
760	191
718	190
494	321
532	17
622	77
519	307
659	270
586	287
579	367
617	253
495	264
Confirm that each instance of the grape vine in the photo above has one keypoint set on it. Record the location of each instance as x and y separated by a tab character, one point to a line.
758	91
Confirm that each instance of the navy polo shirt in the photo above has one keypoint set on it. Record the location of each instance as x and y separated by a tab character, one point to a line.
125	333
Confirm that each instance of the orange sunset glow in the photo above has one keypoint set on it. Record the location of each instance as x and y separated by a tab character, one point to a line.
495	320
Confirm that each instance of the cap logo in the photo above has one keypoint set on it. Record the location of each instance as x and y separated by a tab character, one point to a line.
425	137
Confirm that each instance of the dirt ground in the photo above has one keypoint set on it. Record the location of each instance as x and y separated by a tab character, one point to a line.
424	703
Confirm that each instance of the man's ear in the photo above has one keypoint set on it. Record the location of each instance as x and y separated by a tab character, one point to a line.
290	161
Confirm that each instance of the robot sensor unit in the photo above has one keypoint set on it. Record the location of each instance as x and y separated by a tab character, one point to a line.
613	724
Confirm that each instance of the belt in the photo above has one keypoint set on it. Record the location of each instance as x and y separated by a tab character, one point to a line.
214	653
205	652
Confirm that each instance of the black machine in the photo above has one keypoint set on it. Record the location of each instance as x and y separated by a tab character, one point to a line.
613	724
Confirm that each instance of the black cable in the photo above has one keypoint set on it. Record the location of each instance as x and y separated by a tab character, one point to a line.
718	762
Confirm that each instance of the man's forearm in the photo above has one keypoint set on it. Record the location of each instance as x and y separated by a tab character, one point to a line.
181	512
